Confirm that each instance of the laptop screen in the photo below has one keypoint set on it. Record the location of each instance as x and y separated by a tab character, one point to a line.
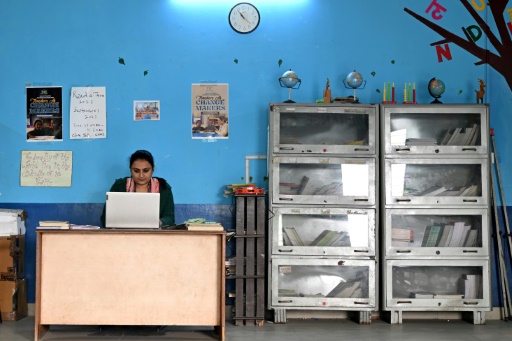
132	210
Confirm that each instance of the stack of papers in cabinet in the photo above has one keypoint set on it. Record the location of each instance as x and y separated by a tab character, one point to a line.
420	142
449	296
422	294
398	137
471	286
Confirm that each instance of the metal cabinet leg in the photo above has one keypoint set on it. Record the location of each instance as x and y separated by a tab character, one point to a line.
396	317
365	317
279	315
475	317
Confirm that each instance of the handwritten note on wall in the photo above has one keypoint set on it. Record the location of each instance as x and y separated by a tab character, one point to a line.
88	113
46	168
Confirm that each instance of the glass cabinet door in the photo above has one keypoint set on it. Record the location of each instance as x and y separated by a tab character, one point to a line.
323	231
324	181
323	129
435	130
323	283
434	284
437	232
437	182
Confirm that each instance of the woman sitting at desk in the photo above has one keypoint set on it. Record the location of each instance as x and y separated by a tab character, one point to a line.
142	167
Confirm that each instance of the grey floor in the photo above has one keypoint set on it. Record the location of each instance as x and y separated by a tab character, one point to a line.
293	330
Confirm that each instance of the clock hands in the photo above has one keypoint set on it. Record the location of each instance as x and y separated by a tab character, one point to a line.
243	16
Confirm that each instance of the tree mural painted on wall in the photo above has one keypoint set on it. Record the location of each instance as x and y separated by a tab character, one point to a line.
501	60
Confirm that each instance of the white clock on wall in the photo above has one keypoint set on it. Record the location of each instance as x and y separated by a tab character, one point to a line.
244	18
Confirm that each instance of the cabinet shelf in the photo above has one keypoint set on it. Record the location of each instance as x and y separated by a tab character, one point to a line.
452	129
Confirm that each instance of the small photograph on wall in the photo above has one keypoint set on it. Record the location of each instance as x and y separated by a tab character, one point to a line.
146	110
210	111
44	114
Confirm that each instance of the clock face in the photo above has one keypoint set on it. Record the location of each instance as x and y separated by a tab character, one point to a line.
244	18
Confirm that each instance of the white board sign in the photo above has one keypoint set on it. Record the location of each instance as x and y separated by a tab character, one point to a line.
88	113
46	168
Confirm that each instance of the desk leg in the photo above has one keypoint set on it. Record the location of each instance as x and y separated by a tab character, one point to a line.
219	330
40	330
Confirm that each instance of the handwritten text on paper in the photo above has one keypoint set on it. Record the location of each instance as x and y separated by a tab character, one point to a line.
46	168
88	113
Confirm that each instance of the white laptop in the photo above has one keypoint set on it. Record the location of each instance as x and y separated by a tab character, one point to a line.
132	210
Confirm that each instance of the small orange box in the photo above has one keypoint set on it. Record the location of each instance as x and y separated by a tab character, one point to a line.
249	191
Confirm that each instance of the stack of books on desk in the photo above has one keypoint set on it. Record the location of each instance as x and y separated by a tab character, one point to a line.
53	225
200	227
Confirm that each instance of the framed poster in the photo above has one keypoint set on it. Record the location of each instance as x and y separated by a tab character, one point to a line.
146	110
210	114
44	113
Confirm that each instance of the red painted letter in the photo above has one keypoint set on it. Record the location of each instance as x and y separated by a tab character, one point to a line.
436	12
443	53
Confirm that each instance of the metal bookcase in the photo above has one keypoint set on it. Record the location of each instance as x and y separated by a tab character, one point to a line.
435	198
323	204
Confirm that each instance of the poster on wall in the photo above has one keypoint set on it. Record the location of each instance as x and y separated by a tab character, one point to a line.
44	113
146	110
210	118
46	168
88	113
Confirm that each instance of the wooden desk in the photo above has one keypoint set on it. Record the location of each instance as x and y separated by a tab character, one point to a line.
130	277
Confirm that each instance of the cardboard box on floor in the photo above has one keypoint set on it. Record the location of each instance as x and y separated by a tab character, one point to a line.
13	300
12	257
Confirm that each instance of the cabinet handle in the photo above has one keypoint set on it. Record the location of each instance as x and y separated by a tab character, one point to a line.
402	302
287	301
470	251
406	200
471	303
286	148
360	199
402	149
288	199
361	149
469	200
366	251
365	303
285	250
403	251
469	149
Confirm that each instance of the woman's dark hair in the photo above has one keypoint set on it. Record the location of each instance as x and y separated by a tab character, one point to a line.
142	155
38	120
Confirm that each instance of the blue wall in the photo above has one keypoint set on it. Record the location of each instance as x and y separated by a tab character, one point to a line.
78	43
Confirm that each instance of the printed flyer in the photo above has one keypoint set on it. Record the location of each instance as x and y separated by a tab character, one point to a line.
44	114
210	119
146	110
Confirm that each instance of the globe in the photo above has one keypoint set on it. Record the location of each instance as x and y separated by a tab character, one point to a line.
436	89
289	79
354	79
